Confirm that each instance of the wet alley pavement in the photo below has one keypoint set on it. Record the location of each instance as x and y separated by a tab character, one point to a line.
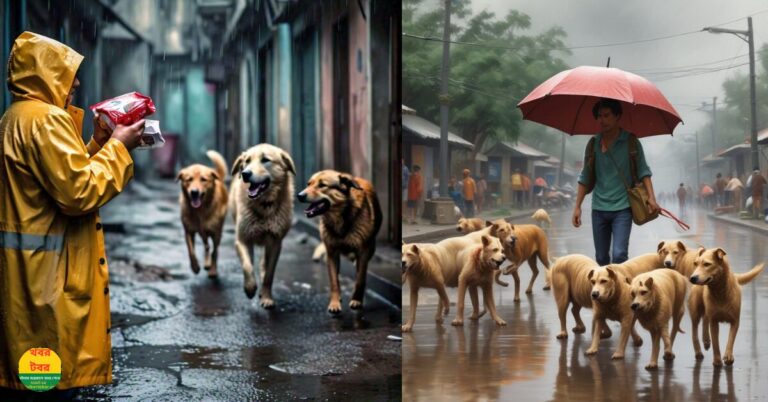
525	362
180	336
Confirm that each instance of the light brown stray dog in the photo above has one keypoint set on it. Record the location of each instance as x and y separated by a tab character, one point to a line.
530	242
678	257
570	285
717	299
423	267
470	225
350	219
541	216
658	296
262	206
203	202
478	265
611	300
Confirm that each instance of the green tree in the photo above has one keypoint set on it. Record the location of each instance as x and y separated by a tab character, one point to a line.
488	78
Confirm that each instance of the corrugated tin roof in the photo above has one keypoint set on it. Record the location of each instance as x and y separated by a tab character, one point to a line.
519	150
426	130
734	150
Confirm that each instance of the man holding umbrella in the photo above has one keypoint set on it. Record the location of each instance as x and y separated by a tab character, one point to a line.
611	213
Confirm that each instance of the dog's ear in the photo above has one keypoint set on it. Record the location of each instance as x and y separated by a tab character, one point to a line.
348	181
649	283
215	175
415	249
488	223
511	226
720	254
486	241
591	273
681	246
288	162
180	175
461	220
626	278
701	251
238	164
660	246
611	273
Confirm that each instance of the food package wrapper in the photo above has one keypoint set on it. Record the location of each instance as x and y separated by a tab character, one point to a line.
152	137
125	109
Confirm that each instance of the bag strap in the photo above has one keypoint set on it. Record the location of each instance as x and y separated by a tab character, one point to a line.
634	143
663	212
616	165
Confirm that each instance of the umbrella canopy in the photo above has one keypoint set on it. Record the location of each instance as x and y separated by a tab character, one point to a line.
565	102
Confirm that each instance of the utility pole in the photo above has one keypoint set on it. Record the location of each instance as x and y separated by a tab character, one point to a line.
698	162
714	125
747	36
444	102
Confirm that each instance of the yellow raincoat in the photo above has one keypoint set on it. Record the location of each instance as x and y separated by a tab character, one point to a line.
53	270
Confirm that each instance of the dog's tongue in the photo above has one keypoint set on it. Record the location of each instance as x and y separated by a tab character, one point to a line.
196	202
255	190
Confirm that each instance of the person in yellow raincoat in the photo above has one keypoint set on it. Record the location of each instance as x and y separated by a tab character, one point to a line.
53	270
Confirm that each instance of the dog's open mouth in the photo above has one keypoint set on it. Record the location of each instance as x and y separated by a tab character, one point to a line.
255	190
317	208
195	201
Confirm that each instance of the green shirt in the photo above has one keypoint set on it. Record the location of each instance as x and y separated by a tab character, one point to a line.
610	194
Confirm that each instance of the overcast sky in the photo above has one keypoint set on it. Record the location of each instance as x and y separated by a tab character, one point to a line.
590	22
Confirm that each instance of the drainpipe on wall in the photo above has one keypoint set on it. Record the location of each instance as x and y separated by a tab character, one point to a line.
284	90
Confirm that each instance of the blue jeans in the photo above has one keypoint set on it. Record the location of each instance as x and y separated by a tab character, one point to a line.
605	224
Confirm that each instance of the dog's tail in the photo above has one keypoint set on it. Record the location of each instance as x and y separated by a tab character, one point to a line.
748	276
219	164
497	278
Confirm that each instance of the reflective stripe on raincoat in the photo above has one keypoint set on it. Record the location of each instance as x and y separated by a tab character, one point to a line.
53	271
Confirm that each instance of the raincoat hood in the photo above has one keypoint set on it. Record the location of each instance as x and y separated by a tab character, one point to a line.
41	68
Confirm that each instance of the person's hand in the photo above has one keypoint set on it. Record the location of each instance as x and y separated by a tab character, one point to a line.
653	205
101	132
576	218
130	136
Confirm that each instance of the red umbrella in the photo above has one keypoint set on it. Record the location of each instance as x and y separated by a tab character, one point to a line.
565	102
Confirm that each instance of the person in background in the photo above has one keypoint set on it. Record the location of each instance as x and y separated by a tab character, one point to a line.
681	195
758	183
415	191
517	189
482	187
720	184
469	190
526	189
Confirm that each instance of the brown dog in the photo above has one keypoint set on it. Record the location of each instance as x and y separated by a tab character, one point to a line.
541	216
478	264
570	285
423	267
262	205
470	225
611	300
717	298
678	257
658	296
350	219
530	242
203	202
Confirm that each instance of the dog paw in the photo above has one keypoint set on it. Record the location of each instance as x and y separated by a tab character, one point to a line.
669	356
406	328
457	322
707	344
267	303
501	322
617	356
528	291
728	360
547	287
606	334
651	366
516	299
250	288
699	356
717	363
579	330
439	319
195	266
334	307
590	351
562	335
207	267
638	342
474	317
355	304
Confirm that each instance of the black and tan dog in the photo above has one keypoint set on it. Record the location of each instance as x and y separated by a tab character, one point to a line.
350	219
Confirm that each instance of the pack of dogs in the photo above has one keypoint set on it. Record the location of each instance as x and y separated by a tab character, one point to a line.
651	288
260	199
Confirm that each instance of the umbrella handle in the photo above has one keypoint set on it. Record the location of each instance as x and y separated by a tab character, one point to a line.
670	215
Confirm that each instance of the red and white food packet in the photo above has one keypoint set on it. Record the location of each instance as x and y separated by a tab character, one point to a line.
125	109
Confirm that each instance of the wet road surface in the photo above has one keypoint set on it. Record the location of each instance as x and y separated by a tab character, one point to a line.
180	336
525	362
